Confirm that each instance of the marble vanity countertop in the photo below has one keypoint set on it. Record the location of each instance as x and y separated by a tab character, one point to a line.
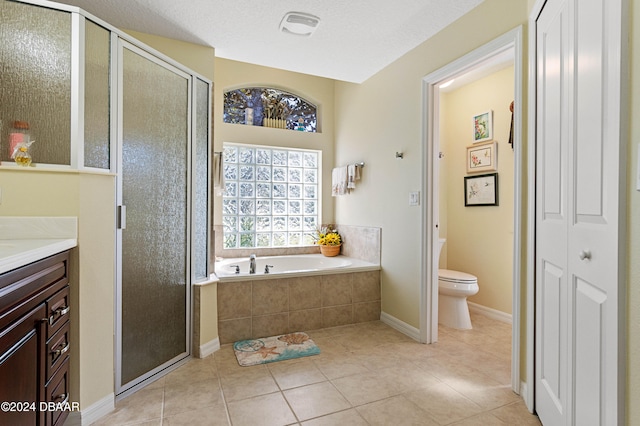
24	240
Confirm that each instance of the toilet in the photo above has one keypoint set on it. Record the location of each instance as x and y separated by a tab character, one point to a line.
453	289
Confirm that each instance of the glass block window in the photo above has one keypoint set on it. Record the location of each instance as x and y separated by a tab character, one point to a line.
268	107
271	197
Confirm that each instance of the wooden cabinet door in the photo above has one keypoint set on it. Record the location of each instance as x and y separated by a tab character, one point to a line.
22	369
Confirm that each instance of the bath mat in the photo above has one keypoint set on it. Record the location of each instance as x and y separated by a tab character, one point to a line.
274	348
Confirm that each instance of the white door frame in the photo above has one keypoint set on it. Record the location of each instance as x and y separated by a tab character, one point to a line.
430	214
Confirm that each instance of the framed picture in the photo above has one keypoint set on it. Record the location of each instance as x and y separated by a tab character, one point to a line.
481	190
482	157
483	127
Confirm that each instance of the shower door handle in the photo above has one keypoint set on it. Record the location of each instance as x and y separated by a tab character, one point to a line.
122	217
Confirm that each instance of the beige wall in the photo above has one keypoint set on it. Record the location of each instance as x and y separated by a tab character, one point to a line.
94	294
90	198
479	239
384	115
234	75
198	58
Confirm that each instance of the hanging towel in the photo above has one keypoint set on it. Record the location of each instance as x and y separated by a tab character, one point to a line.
353	174
218	173
339	181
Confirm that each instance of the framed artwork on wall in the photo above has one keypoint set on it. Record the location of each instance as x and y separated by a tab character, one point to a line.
482	157
483	127
481	190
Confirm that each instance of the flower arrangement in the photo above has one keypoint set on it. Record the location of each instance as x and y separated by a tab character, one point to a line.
328	236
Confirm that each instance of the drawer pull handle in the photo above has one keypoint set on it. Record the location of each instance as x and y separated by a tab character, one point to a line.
58	313
57	352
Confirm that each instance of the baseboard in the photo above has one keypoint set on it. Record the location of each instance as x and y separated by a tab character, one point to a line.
401	326
92	413
208	348
524	394
491	313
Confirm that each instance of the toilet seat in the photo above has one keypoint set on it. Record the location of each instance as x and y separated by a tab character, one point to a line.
450	276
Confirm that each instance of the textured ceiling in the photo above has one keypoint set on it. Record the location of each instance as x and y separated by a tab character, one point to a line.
354	40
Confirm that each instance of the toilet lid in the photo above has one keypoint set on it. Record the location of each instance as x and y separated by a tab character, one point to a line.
456	276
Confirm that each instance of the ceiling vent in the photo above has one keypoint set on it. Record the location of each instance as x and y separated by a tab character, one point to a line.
299	23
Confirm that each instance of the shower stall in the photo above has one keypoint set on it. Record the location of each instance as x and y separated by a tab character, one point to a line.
163	210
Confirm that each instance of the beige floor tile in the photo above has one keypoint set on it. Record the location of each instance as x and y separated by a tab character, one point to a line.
214	415
225	361
295	373
405	378
143	406
248	383
413	350
191	396
444	404
463	379
340	365
315	400
343	418
195	369
482	389
264	410
397	411
516	414
378	358
482	419
362	389
158	384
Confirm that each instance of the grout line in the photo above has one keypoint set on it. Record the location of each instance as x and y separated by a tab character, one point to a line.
221	390
164	392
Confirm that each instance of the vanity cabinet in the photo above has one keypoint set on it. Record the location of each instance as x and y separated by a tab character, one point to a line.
34	342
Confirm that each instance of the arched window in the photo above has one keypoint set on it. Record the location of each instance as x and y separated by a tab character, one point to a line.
268	107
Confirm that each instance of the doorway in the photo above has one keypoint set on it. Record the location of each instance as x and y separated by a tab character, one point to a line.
508	44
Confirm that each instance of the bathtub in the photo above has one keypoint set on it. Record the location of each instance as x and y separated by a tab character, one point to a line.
290	266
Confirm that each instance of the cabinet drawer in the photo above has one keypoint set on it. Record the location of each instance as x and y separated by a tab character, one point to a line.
57	311
57	349
57	392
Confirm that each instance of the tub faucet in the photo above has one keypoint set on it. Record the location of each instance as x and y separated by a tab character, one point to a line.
252	264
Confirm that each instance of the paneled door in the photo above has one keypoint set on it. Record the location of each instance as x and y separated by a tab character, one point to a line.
578	179
153	296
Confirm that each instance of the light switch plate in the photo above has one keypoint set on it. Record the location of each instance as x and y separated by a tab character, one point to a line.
414	198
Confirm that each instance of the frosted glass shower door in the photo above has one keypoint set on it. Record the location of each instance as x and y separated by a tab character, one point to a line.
153	173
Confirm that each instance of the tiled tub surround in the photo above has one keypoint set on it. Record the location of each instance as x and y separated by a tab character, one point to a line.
360	242
267	307
261	306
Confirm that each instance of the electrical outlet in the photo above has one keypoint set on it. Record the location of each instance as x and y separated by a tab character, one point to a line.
0	195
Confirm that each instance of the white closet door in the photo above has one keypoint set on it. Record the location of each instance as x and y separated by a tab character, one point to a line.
579	178
552	286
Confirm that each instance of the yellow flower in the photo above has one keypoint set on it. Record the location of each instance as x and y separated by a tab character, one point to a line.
328	237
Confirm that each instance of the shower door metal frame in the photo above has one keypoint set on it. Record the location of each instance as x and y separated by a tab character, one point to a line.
124	389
